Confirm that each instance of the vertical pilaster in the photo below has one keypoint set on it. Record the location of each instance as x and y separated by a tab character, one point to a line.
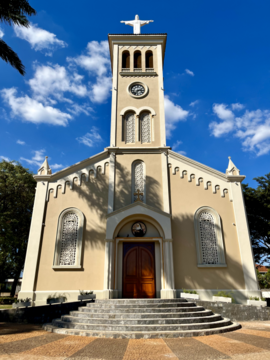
169	288
111	183
161	97
108	292
243	237
114	95
165	183
34	240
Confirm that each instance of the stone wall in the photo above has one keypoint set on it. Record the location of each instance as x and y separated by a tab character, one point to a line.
40	314
237	312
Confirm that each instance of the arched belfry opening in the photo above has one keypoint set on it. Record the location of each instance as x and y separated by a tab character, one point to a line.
125	60
149	60
137	60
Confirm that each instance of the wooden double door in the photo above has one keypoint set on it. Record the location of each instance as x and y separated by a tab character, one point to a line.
139	270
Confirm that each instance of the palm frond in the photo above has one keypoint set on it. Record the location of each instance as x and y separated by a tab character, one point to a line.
9	56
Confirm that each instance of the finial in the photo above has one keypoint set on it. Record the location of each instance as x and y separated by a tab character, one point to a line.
137	23
232	169
45	168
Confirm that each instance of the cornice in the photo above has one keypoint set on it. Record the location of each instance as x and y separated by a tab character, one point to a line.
72	168
148	207
139	150
138	74
197	165
236	178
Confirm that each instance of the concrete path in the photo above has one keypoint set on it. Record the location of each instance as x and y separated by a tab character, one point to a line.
30	342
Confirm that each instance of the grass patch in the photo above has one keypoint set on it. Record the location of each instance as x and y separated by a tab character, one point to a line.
5	306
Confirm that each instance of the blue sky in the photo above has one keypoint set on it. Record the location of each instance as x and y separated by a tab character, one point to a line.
216	80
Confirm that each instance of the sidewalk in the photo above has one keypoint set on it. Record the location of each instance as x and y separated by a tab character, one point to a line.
30	342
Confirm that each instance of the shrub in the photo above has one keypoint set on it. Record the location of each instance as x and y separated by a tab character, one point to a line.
256	298
189	291
83	292
4	300
225	294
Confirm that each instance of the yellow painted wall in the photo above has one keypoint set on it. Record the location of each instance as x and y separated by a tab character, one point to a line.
186	198
92	199
123	182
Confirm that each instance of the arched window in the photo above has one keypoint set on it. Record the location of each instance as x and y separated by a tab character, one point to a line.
138	180
145	127
125	60
209	239
137	60
129	126
69	239
149	63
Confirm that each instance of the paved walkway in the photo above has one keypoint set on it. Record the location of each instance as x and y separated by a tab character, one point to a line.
30	342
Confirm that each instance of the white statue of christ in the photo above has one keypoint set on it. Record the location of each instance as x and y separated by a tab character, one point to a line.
137	23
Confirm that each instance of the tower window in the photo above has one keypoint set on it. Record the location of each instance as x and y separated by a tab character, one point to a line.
149	63
125	60
137	60
145	127
138	179
130	127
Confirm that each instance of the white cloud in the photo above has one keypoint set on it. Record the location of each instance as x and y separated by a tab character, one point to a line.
4	158
173	114
227	125
237	106
1	33
175	145
39	39
252	128
56	166
100	91
182	152
33	111
77	109
37	159
96	61
54	80
90	139
193	103
20	142
189	72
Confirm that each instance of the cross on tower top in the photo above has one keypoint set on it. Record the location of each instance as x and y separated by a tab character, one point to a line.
138	194
137	23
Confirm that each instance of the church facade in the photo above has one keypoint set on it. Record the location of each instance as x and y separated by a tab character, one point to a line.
138	220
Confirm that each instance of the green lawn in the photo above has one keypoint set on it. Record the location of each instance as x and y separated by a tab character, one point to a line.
5	306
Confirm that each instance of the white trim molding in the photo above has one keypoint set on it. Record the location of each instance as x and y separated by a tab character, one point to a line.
58	243
217	233
137	110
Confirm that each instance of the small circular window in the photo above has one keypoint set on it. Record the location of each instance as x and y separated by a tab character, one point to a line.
137	90
138	229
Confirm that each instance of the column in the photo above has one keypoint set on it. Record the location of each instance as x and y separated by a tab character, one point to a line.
244	238
108	291
111	183
114	95
34	240
161	97
165	182
168	292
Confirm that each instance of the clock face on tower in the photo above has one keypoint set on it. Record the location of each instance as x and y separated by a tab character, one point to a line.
137	90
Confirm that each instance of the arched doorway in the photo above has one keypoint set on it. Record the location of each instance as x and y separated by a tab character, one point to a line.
139	270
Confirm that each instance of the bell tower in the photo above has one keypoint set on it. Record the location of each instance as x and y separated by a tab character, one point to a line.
137	116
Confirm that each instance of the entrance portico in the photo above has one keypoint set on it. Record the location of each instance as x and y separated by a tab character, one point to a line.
159	232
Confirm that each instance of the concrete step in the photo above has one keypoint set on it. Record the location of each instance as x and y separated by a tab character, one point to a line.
140	301
142	334
140	309
154	321
139	306
137	328
89	315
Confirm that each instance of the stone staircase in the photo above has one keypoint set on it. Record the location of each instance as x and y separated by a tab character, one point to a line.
141	318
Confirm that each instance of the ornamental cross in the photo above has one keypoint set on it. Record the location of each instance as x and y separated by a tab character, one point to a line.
138	194
137	23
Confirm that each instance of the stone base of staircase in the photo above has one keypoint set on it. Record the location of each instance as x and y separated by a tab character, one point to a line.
141	318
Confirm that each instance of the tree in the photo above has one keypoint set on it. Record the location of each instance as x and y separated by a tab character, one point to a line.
17	193
258	212
264	279
13	12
